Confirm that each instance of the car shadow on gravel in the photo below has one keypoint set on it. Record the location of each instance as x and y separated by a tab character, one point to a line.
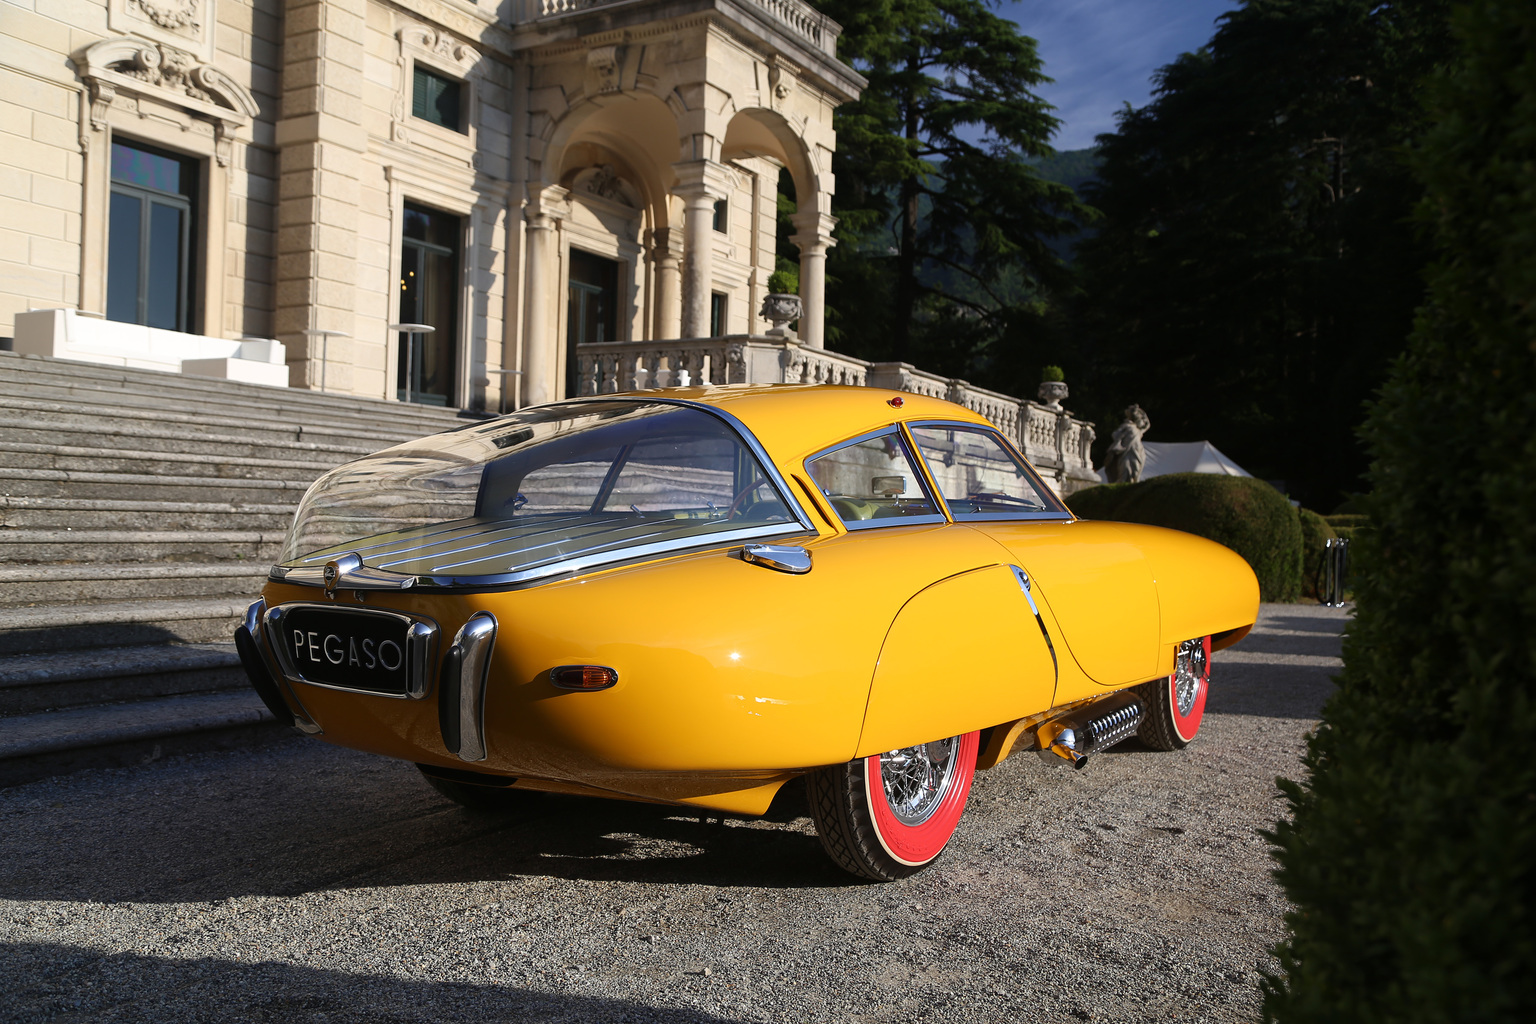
46	981
304	818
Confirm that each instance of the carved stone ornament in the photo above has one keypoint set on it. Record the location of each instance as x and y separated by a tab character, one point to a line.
446	48
781	82
605	183
603	64
127	69
1127	456
780	309
171	14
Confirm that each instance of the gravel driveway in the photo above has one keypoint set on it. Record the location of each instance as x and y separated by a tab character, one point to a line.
301	882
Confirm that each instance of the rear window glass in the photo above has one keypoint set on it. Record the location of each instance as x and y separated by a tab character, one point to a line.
583	480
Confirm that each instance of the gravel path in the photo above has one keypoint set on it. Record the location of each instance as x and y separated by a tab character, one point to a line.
301	882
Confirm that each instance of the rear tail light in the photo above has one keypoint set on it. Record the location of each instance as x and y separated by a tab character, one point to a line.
583	677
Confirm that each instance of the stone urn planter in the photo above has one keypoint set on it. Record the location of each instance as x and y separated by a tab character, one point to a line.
1052	392
781	309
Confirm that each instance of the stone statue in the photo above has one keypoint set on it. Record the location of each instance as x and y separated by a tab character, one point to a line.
1126	457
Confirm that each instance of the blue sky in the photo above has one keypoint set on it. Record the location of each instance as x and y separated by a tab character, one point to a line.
1102	52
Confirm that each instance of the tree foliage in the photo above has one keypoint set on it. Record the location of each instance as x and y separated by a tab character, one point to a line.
944	221
1411	853
1254	271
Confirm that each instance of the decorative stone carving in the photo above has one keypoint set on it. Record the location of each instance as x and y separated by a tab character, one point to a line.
603	66
187	24
780	309
445	48
1127	456
605	182
170	14
132	72
1052	393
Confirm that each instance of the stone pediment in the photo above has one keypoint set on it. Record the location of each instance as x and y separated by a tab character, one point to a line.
167	75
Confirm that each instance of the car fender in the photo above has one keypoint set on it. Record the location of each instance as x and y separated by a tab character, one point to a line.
962	654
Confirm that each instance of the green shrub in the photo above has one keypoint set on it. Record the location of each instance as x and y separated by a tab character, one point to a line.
784	282
1247	515
1316	532
1052	373
1409	850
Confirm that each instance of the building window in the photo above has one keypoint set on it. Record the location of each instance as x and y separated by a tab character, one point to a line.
592	315
716	315
436	98
721	208
149	237
429	294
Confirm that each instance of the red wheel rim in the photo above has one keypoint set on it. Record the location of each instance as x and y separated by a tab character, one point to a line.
1188	724
914	845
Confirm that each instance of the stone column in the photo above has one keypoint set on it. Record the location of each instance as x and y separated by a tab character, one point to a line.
666	259
813	234
540	344
700	184
321	141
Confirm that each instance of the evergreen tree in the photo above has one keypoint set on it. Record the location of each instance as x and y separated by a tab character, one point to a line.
1411	853
943	220
1254	272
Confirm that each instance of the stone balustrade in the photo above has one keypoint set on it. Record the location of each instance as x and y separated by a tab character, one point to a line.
1057	444
798	17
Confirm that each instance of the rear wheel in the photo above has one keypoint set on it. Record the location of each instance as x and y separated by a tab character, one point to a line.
1176	705
889	815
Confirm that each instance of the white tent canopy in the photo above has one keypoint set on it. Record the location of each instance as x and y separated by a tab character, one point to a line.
1186	457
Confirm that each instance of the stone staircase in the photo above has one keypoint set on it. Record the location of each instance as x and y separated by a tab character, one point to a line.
139	512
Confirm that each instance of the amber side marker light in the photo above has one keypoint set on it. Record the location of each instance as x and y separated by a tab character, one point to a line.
583	677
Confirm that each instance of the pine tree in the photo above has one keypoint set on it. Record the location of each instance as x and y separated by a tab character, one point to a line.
943	221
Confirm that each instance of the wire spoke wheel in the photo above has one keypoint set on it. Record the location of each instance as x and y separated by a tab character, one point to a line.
1176	705
888	815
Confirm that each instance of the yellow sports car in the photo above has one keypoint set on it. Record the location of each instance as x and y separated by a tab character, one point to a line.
697	595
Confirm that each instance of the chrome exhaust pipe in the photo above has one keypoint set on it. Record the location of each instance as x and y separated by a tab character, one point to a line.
1099	726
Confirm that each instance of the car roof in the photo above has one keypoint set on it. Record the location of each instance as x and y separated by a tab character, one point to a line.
794	420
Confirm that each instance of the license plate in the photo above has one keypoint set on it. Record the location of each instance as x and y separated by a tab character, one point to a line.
350	649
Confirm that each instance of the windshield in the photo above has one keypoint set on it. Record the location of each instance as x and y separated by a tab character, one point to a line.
537	488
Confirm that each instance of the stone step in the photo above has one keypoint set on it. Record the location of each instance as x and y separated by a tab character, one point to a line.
368	433
109	623
66	584
61	679
23	513
95	382
21	455
48	743
106	432
186	486
40	547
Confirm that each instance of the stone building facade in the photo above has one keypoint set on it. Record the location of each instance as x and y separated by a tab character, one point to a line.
520	175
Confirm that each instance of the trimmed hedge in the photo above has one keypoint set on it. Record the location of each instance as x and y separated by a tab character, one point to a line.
1316	532
1409	852
1247	515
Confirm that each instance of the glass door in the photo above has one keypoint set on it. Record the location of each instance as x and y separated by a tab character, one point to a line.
429	294
592	314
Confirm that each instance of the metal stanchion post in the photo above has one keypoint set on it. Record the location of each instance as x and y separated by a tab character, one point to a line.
409	331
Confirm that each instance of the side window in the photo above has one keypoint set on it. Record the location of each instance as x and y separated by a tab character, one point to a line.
979	476
873	482
437	98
